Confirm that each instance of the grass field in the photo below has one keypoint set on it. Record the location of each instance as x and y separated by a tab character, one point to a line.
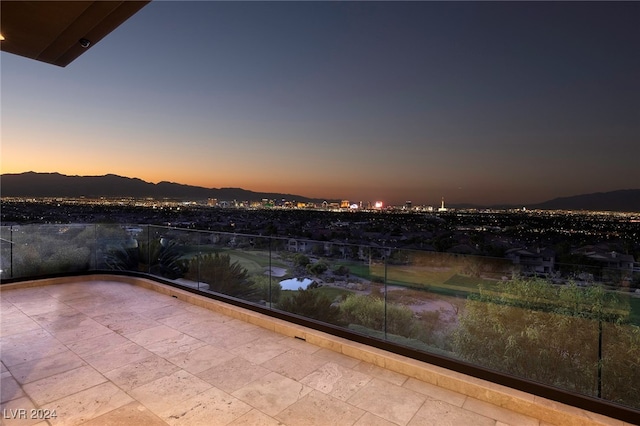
254	261
332	293
634	315
437	279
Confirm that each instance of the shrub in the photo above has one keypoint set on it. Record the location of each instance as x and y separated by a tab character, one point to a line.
318	268
268	290
311	304
548	333
341	270
369	311
301	260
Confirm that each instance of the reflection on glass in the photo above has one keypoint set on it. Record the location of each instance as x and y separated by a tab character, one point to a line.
578	329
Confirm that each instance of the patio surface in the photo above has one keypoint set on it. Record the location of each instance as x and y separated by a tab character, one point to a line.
114	353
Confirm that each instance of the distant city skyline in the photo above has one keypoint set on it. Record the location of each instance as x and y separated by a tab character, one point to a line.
476	102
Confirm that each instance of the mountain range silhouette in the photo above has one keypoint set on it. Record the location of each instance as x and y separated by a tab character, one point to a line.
32	184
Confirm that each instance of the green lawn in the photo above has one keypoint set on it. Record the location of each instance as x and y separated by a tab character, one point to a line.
461	282
634	314
417	276
355	269
414	276
253	261
436	279
331	292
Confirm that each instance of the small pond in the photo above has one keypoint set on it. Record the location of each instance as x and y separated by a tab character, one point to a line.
295	283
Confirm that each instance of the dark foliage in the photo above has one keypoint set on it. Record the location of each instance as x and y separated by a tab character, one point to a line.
311	304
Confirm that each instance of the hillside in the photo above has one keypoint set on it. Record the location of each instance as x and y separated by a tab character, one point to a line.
627	200
31	184
37	185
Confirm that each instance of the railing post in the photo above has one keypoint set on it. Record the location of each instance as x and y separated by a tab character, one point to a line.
95	246
270	275
148	271
199	256
11	250
600	357
386	290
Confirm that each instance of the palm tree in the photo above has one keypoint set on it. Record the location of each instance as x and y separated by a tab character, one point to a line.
223	276
158	257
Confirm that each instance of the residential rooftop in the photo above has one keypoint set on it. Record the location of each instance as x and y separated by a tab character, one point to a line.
108	349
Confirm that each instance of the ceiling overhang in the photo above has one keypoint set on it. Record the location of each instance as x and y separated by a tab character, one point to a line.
57	32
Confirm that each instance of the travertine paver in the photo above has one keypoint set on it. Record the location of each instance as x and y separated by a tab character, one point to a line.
439	413
335	380
295	364
317	408
210	407
201	359
261	350
255	418
233	374
10	388
36	369
87	404
272	393
169	391
130	414
111	353
140	373
400	404
59	385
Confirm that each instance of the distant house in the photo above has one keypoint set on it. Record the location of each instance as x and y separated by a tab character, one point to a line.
303	246
297	246
533	262
611	259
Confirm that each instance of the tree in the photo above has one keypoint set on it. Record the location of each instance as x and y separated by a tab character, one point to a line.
301	260
318	268
317	249
311	304
223	276
341	270
268	291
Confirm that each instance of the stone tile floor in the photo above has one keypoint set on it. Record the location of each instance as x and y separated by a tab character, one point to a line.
111	353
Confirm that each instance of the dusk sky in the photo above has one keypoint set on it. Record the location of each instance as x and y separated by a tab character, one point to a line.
477	102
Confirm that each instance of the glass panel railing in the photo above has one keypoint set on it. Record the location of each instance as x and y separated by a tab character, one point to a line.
123	247
573	327
235	265
6	252
533	329
163	251
425	293
620	360
117	247
177	250
363	308
303	270
37	250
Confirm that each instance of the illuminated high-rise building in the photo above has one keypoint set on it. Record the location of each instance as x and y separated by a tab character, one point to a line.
442	207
